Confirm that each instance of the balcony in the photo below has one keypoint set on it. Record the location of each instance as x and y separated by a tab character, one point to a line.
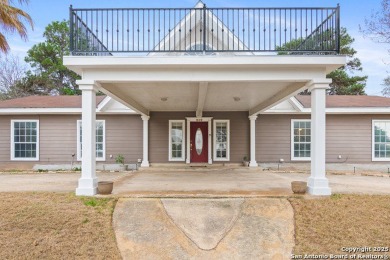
204	31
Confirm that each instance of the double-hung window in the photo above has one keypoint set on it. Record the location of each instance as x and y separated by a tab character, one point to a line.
176	140
300	139
221	140
381	140
25	140
100	140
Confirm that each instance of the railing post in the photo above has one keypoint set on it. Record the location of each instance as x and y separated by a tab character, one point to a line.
71	46
338	28
204	28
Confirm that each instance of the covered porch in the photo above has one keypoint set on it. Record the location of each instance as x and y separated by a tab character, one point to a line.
203	84
202	61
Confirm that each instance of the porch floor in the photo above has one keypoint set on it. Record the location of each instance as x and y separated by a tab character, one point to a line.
233	182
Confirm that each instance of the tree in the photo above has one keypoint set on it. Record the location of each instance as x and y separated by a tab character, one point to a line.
386	89
11	20
46	60
343	83
11	71
378	26
378	29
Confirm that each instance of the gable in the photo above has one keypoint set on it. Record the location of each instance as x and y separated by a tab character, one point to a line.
188	34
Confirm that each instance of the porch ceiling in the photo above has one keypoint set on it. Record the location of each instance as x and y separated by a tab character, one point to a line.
220	83
183	96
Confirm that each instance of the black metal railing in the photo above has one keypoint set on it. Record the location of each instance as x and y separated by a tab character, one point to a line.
204	30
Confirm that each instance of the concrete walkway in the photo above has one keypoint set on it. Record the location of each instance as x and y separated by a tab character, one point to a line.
235	182
52	182
232	182
228	228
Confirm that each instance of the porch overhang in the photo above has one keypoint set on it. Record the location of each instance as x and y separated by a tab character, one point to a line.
178	83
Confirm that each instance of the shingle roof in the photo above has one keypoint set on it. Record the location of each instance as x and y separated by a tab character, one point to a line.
348	101
46	102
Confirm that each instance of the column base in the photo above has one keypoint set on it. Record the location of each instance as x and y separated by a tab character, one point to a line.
319	186
87	187
145	164
253	164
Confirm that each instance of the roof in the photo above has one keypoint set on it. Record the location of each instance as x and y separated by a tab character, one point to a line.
339	101
46	102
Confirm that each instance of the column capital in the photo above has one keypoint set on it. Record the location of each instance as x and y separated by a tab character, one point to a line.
319	84
145	118
253	117
88	85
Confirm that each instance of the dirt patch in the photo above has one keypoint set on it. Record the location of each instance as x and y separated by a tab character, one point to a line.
56	226
324	226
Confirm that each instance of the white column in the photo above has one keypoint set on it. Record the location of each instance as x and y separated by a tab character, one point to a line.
318	183
88	182
253	162
145	160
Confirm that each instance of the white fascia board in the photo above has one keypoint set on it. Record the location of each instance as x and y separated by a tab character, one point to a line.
296	104
103	103
55	111
79	63
360	110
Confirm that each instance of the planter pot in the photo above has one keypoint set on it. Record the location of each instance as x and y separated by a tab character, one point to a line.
299	187
105	187
245	163
122	167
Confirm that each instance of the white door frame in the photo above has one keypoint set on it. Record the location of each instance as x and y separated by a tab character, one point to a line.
199	119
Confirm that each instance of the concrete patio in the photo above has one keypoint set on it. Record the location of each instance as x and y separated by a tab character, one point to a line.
192	182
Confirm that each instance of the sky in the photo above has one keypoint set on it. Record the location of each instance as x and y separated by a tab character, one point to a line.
375	57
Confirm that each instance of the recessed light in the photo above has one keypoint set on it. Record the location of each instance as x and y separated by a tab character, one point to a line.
164	99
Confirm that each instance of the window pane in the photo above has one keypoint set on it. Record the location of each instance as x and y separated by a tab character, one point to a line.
301	139
176	140
381	139
25	139
99	138
221	138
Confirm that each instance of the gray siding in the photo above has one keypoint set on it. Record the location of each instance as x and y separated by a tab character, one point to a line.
58	139
159	133
346	135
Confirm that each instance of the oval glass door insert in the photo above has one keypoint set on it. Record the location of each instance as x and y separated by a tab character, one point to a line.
199	141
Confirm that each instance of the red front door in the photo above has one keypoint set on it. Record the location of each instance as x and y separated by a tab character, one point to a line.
199	142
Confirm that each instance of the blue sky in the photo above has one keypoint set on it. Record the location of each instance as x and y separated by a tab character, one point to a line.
375	57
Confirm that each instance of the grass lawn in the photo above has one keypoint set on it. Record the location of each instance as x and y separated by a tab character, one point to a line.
324	226
56	226
61	225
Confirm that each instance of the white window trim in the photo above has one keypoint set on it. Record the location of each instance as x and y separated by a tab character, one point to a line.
13	143
183	152
104	141
215	140
293	158
373	142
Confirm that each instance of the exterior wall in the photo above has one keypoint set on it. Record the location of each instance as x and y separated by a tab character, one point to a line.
58	139
159	132
347	135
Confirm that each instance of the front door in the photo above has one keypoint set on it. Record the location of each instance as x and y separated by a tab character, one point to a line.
199	142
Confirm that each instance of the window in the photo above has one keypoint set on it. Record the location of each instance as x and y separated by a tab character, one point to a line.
381	140
100	140
221	140
176	140
25	140
300	139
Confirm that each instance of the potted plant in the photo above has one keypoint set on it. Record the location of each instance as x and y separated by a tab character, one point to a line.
105	187
121	161
299	187
245	161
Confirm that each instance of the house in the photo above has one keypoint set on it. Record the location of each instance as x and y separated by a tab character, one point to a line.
208	73
356	134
